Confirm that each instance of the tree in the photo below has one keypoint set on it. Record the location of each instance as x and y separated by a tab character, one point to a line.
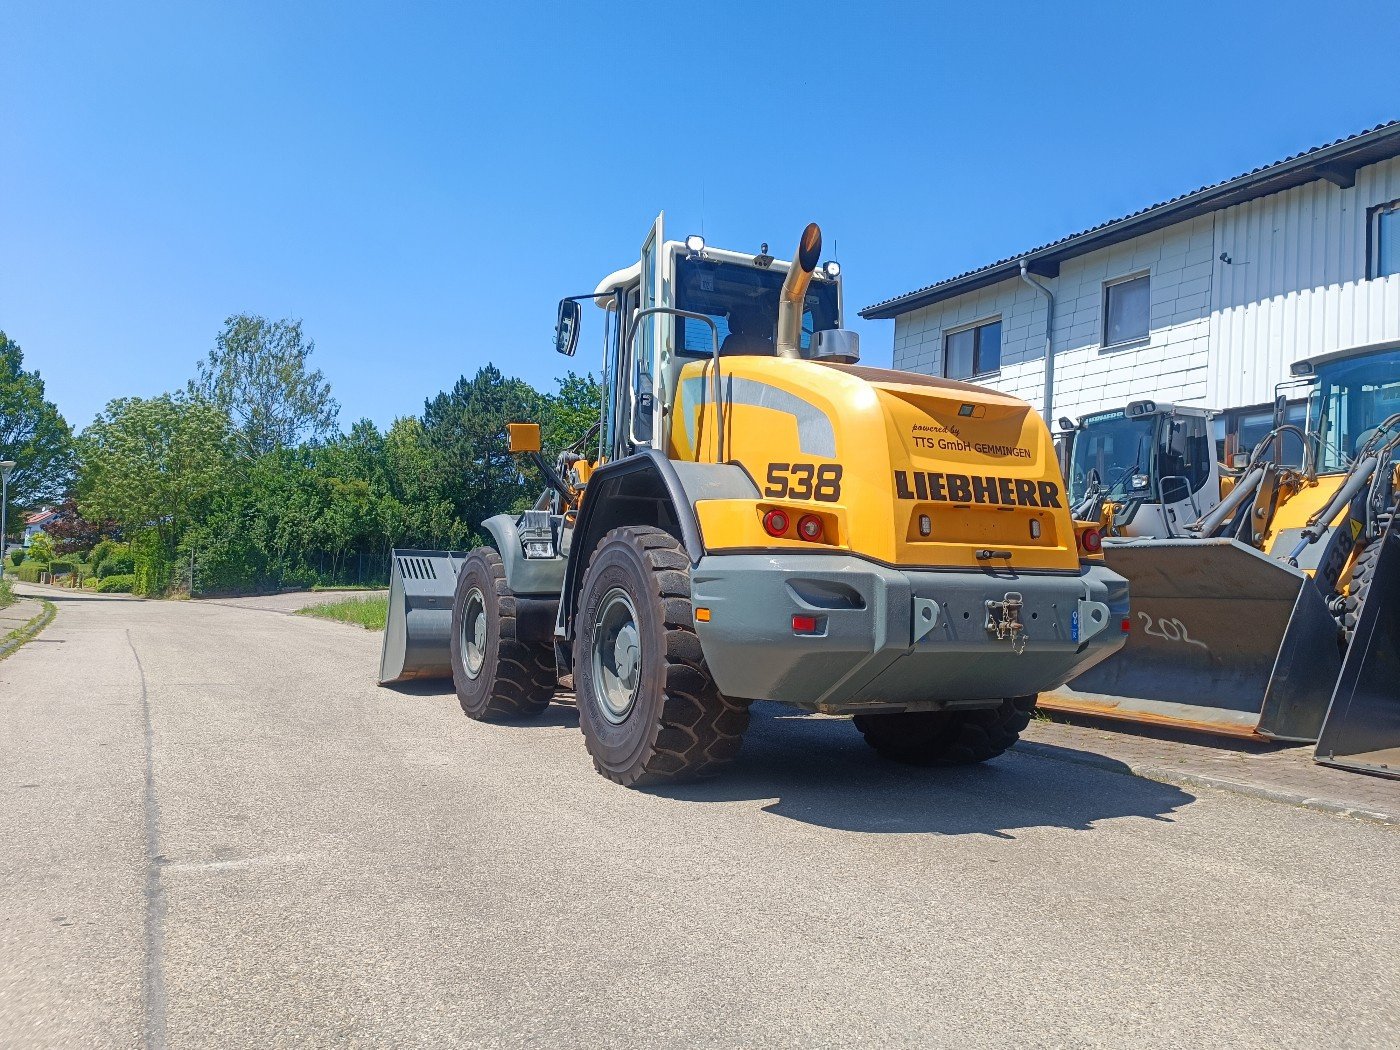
570	413
73	533
33	434
464	432
151	465
257	373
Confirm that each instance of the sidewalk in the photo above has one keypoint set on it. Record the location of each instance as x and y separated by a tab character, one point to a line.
13	617
1275	772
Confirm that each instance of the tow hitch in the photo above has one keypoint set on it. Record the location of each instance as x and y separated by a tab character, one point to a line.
1004	620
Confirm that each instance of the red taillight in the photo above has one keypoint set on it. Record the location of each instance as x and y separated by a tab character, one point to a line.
1127	625
809	527
1091	540
804	624
775	523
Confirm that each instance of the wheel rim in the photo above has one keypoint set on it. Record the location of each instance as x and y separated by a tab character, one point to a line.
617	656
473	633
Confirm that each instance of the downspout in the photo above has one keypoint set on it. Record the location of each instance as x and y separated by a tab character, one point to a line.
1048	411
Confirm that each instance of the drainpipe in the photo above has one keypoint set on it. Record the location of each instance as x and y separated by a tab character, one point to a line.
1049	349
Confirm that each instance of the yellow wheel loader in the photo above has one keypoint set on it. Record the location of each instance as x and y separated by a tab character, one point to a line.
762	518
1279	603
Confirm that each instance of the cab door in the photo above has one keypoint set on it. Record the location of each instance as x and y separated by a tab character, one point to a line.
649	350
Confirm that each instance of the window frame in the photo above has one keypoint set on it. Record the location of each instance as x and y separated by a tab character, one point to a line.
1373	238
1108	286
974	327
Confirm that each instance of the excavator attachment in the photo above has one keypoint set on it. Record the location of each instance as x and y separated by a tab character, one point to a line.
418	632
1362	731
1224	639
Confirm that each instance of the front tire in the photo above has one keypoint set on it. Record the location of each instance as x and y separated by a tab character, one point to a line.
498	677
649	711
947	738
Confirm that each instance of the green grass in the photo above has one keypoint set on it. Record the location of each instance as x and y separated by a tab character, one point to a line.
369	613
7	596
349	586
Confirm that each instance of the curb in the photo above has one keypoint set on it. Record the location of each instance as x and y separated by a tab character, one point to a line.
1178	778
30	630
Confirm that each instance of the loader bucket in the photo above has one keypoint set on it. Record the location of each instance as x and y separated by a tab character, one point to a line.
1224	639
1362	730
417	634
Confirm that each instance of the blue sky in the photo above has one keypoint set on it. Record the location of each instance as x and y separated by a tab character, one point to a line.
420	182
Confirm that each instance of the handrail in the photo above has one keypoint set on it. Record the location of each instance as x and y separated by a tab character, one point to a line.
714	342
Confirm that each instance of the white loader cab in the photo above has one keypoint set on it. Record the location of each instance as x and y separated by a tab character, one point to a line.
1153	461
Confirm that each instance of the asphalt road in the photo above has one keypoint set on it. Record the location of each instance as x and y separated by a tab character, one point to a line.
216	831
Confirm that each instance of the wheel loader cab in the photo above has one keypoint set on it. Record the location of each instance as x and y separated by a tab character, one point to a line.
705	300
1153	461
1352	398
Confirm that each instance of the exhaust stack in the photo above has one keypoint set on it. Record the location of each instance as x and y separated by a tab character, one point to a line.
794	293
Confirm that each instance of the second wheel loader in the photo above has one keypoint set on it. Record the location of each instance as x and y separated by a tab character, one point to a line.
762	518
1275	612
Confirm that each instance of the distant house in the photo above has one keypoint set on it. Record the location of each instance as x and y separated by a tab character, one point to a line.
34	523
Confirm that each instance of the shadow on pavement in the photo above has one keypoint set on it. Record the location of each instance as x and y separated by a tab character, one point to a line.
821	772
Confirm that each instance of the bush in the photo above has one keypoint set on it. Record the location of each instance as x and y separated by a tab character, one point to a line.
61	566
118	563
17	557
30	570
102	549
120	584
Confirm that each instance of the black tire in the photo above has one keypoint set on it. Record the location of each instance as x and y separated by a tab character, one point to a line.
503	679
947	738
649	711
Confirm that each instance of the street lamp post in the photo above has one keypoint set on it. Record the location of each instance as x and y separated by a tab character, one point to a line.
6	467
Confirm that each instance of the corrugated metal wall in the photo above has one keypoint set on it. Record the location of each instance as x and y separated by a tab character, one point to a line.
1222	333
1296	283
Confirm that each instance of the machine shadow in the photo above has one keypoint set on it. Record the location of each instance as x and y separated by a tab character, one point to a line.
821	772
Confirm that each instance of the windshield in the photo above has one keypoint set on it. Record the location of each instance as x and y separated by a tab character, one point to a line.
743	303
1353	397
1115	448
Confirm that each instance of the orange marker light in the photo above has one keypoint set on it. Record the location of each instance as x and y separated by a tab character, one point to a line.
702	615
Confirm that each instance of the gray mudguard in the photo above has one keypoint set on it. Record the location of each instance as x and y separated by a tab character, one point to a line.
538	577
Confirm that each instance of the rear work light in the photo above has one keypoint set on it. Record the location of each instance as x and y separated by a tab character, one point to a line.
809	527
775	523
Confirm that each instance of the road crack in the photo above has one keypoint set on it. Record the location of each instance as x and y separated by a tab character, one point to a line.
154	973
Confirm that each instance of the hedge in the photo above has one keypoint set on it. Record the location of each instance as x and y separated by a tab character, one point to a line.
119	584
118	563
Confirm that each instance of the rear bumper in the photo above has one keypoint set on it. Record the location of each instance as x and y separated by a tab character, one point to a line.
889	639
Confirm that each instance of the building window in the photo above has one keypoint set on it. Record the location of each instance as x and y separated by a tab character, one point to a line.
1385	240
1125	311
973	351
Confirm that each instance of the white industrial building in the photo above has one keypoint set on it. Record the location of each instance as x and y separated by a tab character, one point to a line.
1205	299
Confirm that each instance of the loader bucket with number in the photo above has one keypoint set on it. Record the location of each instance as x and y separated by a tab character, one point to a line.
1362	731
1224	639
418	631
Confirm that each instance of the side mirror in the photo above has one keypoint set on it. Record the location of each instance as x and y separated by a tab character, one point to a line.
1239	461
1280	411
566	328
523	437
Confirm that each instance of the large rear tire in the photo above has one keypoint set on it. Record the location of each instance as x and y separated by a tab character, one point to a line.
947	738
498	677
649	710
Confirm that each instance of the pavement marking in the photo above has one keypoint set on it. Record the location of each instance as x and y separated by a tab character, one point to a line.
155	1000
